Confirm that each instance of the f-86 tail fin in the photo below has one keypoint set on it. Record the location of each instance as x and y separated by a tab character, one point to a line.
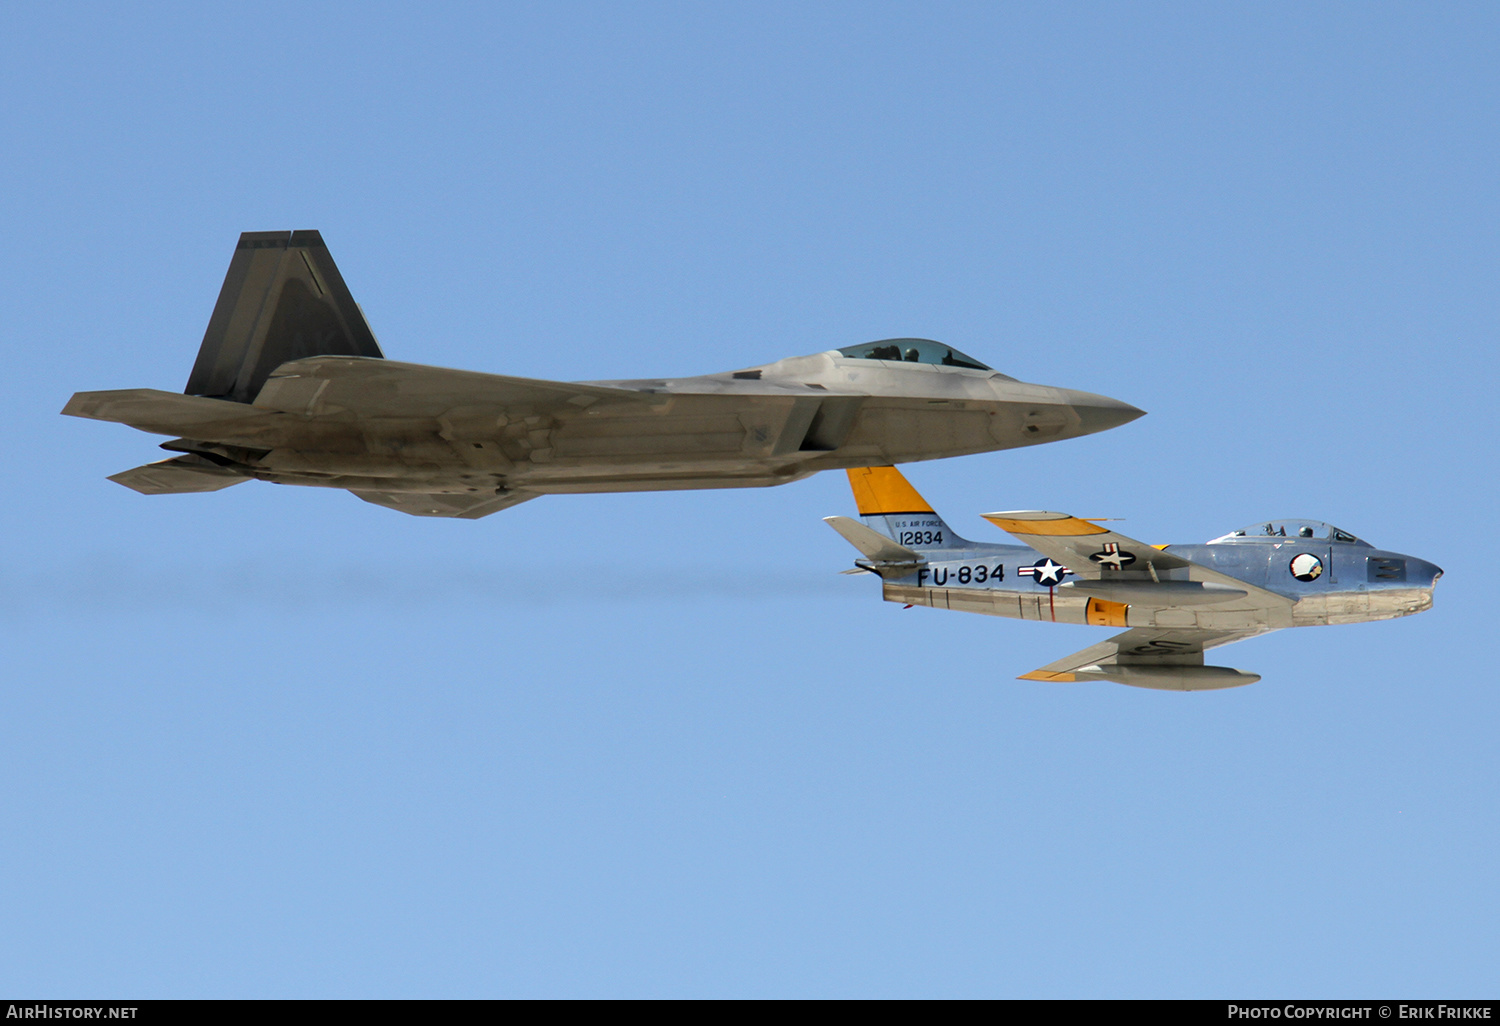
889	504
283	299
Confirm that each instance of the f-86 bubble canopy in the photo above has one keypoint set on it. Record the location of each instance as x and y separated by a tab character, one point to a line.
1280	530
914	350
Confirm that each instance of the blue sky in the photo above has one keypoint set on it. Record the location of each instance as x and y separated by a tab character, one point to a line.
278	742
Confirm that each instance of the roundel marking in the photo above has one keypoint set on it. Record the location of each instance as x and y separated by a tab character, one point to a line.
1045	572
1113	556
1306	567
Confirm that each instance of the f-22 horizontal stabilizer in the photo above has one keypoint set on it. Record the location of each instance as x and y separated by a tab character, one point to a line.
179	476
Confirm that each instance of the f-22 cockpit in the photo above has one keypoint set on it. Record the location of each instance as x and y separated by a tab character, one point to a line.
914	350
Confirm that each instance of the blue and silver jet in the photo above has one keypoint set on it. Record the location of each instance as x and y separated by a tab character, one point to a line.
1177	601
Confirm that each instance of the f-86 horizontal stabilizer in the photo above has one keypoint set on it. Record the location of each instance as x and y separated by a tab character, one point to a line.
873	545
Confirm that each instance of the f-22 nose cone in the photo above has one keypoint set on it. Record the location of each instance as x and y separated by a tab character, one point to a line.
1100	412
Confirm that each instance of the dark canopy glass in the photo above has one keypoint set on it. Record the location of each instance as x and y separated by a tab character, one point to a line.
913	350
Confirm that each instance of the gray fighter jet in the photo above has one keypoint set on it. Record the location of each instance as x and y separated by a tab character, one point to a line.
291	387
1176	600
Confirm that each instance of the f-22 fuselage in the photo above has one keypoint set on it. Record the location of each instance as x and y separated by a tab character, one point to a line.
291	387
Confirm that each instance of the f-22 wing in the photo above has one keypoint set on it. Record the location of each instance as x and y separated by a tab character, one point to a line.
1176	608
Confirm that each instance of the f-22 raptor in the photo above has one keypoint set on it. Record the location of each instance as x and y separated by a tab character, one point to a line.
1177	601
290	386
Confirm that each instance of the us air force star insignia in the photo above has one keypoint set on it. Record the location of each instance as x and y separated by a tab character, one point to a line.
1045	571
1113	557
1307	567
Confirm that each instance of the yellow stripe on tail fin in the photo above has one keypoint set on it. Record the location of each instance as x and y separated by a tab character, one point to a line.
879	491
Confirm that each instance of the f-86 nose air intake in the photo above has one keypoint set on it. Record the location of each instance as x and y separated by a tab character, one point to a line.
1177	600
290	386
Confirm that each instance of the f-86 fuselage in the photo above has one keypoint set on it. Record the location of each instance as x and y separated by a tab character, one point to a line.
1176	600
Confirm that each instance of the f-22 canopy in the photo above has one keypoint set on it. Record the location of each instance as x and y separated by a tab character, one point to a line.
290	386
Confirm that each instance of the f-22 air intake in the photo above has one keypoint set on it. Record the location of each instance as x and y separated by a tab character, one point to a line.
290	386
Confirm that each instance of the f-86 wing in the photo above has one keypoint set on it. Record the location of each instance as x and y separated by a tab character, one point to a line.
1167	659
1118	568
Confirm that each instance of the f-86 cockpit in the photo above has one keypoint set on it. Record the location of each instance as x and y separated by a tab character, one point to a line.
1317	530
